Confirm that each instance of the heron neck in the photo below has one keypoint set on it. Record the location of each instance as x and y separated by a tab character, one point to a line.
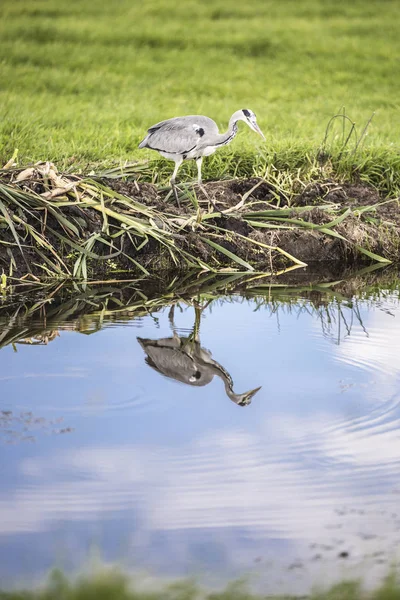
227	381
223	374
225	138
229	391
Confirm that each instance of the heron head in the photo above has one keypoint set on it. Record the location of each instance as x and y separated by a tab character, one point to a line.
250	118
244	399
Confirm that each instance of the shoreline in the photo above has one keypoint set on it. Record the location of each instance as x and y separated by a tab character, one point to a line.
68	226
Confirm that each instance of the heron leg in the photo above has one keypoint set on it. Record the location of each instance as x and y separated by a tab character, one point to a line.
199	163
173	178
196	328
171	319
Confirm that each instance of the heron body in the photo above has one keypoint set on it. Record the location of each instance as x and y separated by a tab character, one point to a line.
193	137
183	359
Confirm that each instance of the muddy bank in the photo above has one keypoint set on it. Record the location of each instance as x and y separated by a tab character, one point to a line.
377	228
96	228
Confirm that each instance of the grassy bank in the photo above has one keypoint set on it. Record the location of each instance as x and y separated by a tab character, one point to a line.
111	585
82	81
72	227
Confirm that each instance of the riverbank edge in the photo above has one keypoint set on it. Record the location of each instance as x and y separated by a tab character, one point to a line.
80	227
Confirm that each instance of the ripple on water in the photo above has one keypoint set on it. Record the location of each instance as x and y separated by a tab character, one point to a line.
373	346
138	403
322	478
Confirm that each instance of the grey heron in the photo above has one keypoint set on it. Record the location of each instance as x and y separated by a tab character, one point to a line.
193	137
185	360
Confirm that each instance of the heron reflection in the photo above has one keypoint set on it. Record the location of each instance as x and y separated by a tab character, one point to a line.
184	359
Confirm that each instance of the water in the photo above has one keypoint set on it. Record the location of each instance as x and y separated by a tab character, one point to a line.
101	450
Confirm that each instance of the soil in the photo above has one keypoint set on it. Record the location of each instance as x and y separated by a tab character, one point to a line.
377	230
306	245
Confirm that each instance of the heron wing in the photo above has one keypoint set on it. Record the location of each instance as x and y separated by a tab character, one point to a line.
180	135
171	362
164	356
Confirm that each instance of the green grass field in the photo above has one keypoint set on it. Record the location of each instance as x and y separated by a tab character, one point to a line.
81	80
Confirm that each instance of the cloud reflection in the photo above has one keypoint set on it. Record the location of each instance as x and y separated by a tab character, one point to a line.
229	480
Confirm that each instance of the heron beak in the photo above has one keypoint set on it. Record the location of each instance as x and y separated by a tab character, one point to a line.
258	130
247	397
254	392
251	394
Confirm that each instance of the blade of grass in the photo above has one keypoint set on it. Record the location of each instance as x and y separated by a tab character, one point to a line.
227	253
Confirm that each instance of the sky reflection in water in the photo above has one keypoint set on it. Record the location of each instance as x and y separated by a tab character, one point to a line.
178	478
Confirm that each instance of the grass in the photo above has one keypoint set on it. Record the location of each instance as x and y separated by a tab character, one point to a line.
82	80
51	223
69	227
112	585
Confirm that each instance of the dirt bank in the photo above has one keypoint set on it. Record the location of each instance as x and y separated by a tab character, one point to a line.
378	229
233	223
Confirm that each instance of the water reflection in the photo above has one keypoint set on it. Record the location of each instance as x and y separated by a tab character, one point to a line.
28	319
40	339
184	359
300	484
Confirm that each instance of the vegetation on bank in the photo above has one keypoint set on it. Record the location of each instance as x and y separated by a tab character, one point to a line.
82	80
112	585
69	226
109	223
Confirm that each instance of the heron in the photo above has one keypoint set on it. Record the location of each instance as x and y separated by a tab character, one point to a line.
193	137
185	360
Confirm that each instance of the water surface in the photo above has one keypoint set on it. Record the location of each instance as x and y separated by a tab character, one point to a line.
101	447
